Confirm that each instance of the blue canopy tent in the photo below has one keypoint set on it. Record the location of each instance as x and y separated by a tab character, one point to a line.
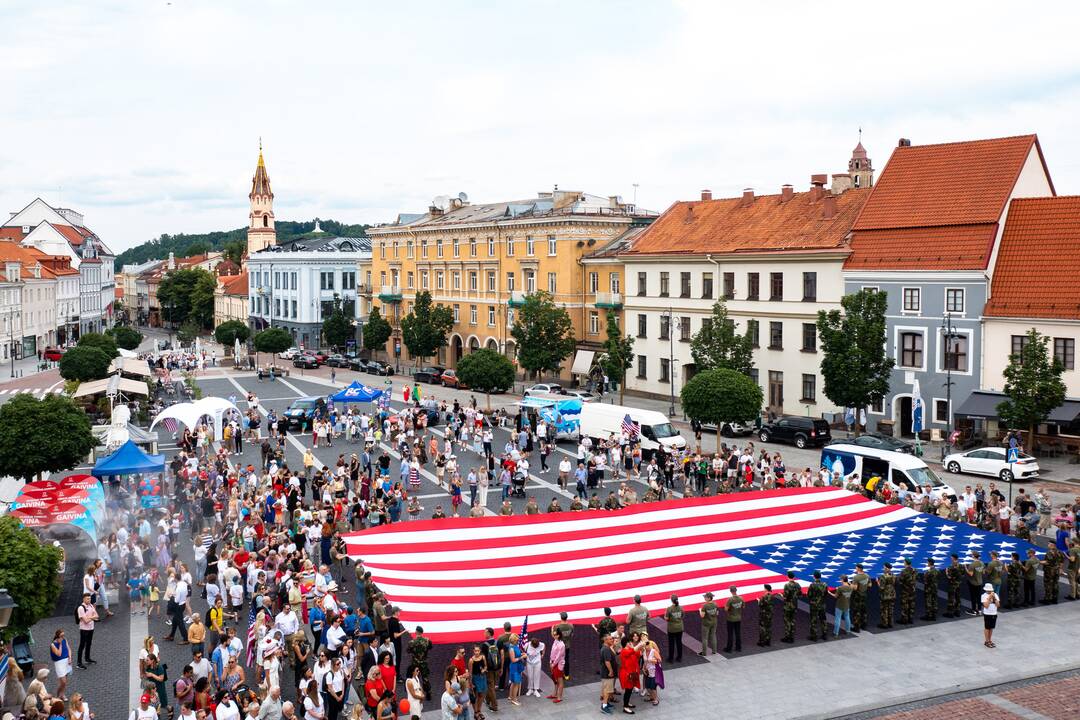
130	459
356	392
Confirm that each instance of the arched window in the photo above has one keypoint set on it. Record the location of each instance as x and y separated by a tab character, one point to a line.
266	221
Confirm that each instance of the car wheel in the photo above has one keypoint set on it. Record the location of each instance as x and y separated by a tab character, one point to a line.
763	436
800	441
954	467
1006	475
725	431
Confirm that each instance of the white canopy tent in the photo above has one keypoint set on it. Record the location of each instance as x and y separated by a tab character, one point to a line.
131	366
127	353
112	386
190	413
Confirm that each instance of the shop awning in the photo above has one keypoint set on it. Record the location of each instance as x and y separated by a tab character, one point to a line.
111	386
131	366
983	404
1066	412
583	362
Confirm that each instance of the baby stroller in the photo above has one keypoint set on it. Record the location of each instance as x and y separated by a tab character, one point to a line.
518	484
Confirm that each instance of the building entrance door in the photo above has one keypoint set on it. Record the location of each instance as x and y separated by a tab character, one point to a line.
776	392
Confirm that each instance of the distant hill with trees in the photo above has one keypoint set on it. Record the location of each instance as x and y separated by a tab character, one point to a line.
231	242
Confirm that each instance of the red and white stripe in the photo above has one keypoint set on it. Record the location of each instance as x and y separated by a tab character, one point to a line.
456	576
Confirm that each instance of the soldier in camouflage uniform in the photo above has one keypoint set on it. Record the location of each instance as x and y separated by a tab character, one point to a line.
861	582
792	591
815	595
710	614
930	590
765	607
1051	563
907	582
1014	579
1074	568
954	576
887	594
419	647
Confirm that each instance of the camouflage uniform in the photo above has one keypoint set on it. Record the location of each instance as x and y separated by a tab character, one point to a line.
861	581
954	575
930	590
887	592
419	647
1051	570
765	608
1022	531
815	595
709	616
907	582
1074	568
1014	579
792	591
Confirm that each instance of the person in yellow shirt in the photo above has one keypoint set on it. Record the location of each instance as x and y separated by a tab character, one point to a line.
196	634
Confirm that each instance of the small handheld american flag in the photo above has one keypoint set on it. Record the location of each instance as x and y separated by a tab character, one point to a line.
251	634
524	639
170	425
629	427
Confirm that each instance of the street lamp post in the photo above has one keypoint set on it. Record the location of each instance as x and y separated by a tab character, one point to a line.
671	360
7	606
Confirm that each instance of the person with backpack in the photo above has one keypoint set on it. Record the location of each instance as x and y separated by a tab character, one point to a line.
494	668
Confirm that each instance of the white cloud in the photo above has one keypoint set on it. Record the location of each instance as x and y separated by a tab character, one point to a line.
145	115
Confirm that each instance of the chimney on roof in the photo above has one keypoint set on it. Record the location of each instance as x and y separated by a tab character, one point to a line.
786	192
706	195
817	186
747	197
829	207
904	142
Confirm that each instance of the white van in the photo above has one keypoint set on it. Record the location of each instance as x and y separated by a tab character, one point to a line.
599	421
901	469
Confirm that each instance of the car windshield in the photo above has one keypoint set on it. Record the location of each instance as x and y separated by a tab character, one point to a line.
925	476
664	430
304	404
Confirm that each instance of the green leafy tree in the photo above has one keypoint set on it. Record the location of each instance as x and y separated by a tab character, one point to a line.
376	331
234	250
719	396
125	337
202	301
337	329
486	371
854	363
424	329
105	343
717	345
29	572
188	294
187	332
273	340
199	247
51	434
618	353
543	333
230	331
1033	385
84	363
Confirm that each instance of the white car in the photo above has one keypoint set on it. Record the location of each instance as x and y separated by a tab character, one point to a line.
289	354
992	461
545	389
582	395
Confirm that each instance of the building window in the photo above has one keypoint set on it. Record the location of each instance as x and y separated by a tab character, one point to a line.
594	282
809	337
642	366
294	309
912	299
292	281
1065	352
776	286
395	247
809	286
753	286
472	247
455	279
472	314
642	326
553	246
706	286
665	370
457	313
665	281
954	300
409	280
552	282
473	286
382	250
941	411
510	317
878	406
423	279
684	284
911	350
754	376
753	329
491	316
457	247
776	335
409	249
510	247
438	248
491	247
684	329
613	282
439	280
530	282
423	247
809	388
665	327
530	245
955	353
729	286
326	280
491	281
277	307
348	281
509	282
594	322
1019	342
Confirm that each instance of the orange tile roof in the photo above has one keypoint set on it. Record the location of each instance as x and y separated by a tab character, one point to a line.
767	224
11	233
71	234
1038	261
947	247
962	183
235	284
51	267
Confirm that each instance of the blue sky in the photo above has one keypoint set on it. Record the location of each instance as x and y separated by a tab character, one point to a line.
146	115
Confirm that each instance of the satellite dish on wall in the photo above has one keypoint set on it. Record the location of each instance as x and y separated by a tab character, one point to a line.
441	202
463	197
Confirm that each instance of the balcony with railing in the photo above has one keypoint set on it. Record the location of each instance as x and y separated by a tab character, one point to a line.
390	293
517	298
610	300
363	289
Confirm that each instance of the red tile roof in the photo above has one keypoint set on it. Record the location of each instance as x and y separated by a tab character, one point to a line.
1038	263
11	233
235	284
948	247
52	266
767	224
71	234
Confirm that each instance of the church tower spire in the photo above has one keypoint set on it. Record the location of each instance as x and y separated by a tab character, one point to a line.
859	166
261	233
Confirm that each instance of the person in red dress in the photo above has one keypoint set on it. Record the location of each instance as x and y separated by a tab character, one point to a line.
630	669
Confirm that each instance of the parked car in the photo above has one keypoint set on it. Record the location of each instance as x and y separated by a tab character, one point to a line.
450	379
992	461
582	395
302	410
289	354
431	374
303	360
318	355
881	442
337	360
731	429
53	354
545	389
376	367
796	429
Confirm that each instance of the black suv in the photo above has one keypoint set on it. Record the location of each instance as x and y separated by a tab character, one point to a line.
431	374
801	431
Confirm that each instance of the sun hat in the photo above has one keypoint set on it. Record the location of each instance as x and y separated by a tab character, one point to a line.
988	587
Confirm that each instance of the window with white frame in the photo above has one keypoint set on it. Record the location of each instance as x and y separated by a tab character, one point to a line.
457	313
491	316
941	410
491	286
423	279
911	349
954	352
455	278
912	299
530	282
438	247
472	247
491	246
594	282
954	300
552	245
510	247
457	247
530	245
472	314
509	282
439	280
553	282
594	322
613	282
472	281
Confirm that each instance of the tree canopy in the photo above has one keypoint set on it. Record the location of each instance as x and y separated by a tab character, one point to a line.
105	343
544	334
29	572
855	364
486	371
717	345
377	331
125	337
424	329
84	363
618	353
187	295
1033	384
337	329
721	395
229	331
273	340
50	434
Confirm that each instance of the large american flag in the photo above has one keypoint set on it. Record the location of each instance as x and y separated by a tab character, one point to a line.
456	576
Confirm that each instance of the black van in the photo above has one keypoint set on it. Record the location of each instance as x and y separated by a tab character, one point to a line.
799	430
